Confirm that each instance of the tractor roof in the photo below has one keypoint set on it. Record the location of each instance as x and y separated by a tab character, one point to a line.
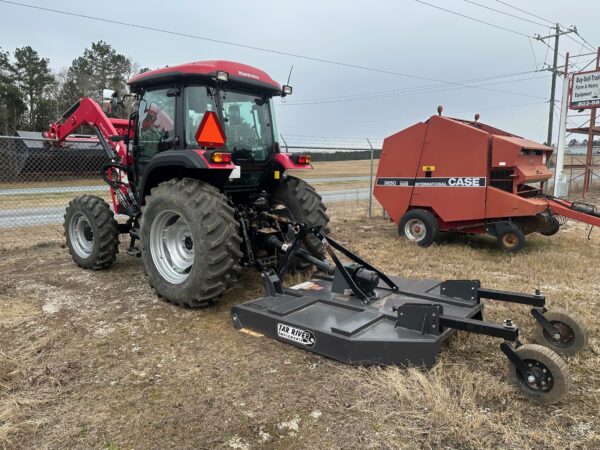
238	72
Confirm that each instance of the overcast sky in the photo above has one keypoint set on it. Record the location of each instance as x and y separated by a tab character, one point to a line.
398	36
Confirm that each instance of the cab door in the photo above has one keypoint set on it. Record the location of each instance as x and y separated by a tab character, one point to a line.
155	127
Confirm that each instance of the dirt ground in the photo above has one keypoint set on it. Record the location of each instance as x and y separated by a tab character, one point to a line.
95	360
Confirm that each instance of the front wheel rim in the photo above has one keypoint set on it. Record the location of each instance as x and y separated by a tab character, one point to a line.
81	235
172	247
415	230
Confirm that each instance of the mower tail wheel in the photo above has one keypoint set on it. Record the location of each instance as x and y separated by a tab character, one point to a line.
420	226
91	232
570	337
549	377
511	240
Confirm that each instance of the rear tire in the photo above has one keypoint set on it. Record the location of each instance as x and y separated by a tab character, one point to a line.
420	226
548	366
190	242
92	233
511	240
303	204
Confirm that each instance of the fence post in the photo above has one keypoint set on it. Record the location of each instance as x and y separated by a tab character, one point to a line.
371	179
284	143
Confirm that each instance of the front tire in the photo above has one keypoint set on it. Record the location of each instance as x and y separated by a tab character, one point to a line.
190	242
92	233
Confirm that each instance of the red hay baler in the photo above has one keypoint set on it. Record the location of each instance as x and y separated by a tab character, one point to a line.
464	176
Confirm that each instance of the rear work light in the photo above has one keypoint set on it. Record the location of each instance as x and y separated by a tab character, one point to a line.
221	158
303	159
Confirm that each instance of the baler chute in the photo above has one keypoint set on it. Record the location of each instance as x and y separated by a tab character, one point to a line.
465	176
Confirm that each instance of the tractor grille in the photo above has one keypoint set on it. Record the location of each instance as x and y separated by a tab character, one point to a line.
502	179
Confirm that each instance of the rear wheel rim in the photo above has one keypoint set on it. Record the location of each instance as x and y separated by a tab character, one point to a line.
415	230
81	235
172	247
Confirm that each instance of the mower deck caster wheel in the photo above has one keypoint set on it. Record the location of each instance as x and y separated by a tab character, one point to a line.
571	335
420	226
548	380
511	240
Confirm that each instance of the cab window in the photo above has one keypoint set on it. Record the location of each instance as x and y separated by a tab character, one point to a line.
156	129
198	100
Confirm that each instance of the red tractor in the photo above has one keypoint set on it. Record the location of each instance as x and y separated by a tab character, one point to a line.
198	172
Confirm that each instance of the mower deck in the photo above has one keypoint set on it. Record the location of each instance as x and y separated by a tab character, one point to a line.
338	325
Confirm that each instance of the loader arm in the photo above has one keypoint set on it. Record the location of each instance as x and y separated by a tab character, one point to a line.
87	112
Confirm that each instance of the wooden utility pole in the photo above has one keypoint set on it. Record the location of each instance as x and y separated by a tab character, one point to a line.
554	69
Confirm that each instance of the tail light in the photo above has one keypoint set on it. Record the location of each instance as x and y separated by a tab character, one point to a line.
303	159
221	158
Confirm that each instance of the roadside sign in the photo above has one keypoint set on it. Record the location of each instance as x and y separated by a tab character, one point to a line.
585	90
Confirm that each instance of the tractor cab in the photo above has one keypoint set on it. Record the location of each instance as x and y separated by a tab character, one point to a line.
221	110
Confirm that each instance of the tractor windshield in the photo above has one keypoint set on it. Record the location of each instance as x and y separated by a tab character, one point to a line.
248	125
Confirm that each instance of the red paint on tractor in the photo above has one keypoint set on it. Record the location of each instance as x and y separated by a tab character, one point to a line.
236	71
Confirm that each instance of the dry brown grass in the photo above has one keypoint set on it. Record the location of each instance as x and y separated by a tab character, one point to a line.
93	359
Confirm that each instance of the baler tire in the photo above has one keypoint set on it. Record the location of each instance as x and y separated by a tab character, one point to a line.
304	205
553	228
511	240
574	336
427	220
91	232
545	363
209	232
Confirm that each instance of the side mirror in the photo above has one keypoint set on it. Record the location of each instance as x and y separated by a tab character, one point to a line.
286	90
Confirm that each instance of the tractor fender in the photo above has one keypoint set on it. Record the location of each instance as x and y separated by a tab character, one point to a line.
285	161
178	164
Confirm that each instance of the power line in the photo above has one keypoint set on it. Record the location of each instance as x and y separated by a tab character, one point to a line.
551	22
581	42
472	18
505	13
415	91
590	46
526	12
391	91
235	44
396	119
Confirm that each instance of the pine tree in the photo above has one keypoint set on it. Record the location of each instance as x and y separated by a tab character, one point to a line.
33	77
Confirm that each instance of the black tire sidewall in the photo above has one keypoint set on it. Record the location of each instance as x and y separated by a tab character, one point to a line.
195	290
432	229
80	206
520	239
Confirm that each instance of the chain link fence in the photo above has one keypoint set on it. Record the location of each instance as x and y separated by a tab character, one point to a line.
38	179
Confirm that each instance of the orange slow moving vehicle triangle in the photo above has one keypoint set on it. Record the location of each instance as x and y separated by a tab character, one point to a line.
210	133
